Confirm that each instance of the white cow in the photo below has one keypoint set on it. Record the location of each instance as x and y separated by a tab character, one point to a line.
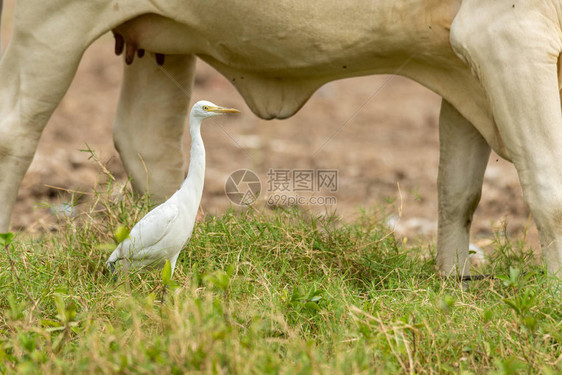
495	63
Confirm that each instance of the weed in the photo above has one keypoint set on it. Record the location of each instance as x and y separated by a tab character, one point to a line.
284	292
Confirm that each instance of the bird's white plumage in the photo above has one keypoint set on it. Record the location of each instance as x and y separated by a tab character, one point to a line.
151	241
155	225
163	232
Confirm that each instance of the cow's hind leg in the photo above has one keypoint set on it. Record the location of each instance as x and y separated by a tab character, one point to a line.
463	158
35	72
150	123
515	55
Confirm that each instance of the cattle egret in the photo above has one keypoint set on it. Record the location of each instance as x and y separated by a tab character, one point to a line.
163	232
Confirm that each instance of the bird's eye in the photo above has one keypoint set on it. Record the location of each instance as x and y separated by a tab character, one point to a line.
205	108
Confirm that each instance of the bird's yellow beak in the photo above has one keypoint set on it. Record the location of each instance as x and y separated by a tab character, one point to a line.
223	110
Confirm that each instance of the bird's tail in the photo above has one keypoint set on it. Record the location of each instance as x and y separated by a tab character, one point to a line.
113	259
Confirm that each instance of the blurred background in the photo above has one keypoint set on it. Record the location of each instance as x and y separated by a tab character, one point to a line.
392	139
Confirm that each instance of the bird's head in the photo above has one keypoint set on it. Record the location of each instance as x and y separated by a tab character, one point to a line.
204	109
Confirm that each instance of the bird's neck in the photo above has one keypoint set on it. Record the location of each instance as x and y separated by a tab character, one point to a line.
196	173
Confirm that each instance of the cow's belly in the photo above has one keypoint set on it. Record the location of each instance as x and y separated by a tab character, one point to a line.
269	49
275	69
274	65
277	62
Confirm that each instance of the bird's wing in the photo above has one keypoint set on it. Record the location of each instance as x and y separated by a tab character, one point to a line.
154	226
142	244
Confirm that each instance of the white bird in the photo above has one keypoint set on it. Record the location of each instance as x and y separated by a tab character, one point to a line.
163	232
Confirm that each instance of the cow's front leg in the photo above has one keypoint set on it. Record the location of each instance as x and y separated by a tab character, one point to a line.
150	123
35	72
462	161
513	48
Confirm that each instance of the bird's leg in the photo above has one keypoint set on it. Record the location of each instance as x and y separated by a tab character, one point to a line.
150	123
111	266
462	161
164	292
173	261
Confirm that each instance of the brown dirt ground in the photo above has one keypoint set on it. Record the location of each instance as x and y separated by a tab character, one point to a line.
392	139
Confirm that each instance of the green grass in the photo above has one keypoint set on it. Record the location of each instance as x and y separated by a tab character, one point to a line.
285	292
